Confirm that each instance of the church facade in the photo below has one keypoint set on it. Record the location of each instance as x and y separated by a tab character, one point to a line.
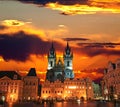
58	70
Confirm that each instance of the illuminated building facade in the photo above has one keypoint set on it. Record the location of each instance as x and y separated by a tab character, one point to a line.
69	89
52	89
11	86
30	86
14	88
57	69
111	81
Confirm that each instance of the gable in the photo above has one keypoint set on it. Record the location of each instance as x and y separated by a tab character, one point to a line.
5	78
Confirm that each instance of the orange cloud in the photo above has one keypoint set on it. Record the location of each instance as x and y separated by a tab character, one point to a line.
12	23
13	26
93	6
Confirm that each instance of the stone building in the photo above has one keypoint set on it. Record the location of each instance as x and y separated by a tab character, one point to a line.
30	85
69	89
111	81
60	82
14	87
51	90
11	86
58	69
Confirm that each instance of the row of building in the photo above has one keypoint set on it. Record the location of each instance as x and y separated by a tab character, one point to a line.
14	87
59	84
69	89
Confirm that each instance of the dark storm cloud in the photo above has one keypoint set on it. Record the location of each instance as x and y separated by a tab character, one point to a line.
75	39
20	46
64	2
99	45
93	49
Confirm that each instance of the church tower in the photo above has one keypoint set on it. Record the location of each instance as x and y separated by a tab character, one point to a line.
68	57
51	57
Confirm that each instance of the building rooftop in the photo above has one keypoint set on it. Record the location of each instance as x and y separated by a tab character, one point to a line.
32	72
10	74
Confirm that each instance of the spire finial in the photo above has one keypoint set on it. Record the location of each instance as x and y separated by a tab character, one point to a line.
52	45
67	44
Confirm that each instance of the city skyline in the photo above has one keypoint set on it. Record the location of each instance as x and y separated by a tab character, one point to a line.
28	28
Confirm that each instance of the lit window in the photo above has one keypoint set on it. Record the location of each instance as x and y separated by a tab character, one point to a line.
89	87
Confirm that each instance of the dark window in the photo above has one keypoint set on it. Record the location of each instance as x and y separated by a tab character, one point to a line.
51	63
68	63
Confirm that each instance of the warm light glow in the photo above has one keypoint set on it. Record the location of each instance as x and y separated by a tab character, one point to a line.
12	23
89	87
58	93
44	97
72	87
1	59
81	9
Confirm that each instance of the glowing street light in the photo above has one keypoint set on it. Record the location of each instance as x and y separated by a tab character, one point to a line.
3	99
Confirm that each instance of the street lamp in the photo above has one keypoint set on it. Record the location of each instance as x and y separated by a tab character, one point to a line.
3	99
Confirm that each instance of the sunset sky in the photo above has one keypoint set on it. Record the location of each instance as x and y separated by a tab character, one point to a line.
28	27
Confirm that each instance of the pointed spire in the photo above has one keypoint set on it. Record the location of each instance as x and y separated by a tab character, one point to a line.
68	45
67	49
52	47
52	50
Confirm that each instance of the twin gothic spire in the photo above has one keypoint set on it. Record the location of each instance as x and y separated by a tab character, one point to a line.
67	51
